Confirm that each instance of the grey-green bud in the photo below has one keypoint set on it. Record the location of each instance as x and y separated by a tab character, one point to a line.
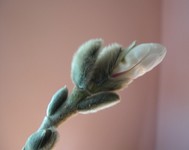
57	100
98	102
83	62
41	140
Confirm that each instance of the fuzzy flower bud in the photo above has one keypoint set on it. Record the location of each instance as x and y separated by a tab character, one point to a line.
41	140
113	67
84	61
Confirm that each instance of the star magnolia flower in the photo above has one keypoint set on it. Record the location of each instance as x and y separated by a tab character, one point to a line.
113	67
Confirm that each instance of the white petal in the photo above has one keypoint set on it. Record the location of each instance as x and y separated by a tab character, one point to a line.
141	59
149	56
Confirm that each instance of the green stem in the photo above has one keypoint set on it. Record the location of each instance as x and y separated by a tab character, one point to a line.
66	110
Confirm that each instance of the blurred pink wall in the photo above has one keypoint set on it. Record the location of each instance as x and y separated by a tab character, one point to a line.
37	41
173	104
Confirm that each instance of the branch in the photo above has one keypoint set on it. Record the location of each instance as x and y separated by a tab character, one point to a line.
97	73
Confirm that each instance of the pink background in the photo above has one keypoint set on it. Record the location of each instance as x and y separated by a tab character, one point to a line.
37	41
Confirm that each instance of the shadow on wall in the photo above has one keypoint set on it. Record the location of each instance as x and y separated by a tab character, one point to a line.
173	107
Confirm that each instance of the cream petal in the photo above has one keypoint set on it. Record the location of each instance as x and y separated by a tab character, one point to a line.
149	56
132	57
141	59
157	53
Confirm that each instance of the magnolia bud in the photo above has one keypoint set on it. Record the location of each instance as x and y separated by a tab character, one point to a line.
98	102
97	69
41	140
83	62
57	100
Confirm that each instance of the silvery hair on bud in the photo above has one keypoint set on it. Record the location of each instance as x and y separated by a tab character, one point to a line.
83	62
98	102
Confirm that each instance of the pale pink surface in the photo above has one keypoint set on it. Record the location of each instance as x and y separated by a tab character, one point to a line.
173	104
37	41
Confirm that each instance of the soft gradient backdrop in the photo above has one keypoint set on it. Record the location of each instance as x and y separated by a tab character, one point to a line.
37	42
173	101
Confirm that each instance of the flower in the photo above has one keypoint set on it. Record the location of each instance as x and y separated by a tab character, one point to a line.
113	67
138	60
